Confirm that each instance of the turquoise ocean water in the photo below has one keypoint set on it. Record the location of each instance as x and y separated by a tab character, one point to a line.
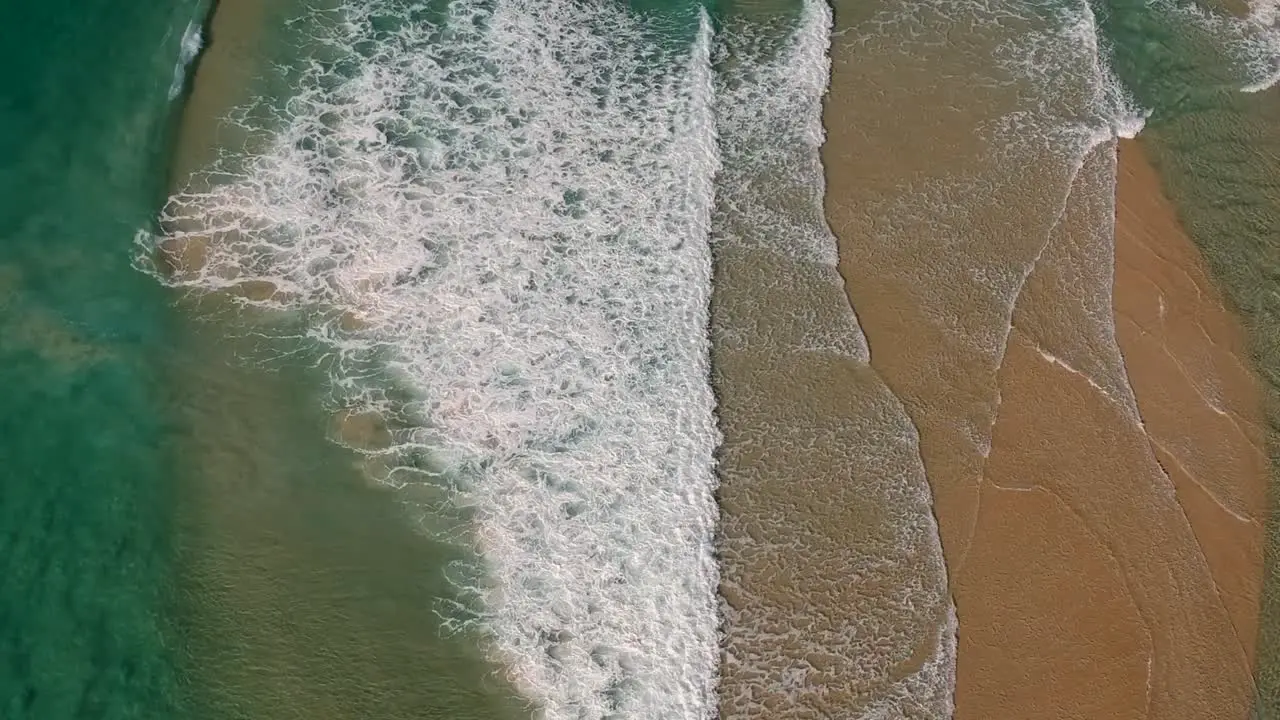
86	544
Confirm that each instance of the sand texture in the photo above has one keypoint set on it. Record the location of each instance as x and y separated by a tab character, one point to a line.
1092	445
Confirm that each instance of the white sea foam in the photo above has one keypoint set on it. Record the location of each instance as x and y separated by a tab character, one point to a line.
192	41
788	647
509	203
1251	40
769	116
1256	42
1077	100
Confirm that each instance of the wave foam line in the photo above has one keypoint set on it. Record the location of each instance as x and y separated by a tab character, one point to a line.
511	203
1251	39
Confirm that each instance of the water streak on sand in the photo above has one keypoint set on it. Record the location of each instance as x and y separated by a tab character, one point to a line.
192	41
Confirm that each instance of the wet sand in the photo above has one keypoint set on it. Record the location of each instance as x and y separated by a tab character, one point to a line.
1114	564
1199	397
1220	161
1104	546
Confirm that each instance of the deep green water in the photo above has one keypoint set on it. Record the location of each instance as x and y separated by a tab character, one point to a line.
86	565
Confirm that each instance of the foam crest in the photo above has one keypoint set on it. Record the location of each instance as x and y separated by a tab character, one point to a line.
1256	42
508	206
1079	100
192	41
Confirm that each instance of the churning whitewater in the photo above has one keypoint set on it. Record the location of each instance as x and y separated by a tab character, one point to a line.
507	205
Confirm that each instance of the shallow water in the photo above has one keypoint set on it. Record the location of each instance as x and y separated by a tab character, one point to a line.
833	587
306	590
484	221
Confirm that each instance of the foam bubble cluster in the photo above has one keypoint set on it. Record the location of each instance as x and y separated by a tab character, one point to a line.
508	204
840	610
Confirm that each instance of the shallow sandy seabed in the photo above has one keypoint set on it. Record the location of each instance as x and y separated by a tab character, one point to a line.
1106	560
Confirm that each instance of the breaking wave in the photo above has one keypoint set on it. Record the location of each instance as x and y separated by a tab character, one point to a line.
501	210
